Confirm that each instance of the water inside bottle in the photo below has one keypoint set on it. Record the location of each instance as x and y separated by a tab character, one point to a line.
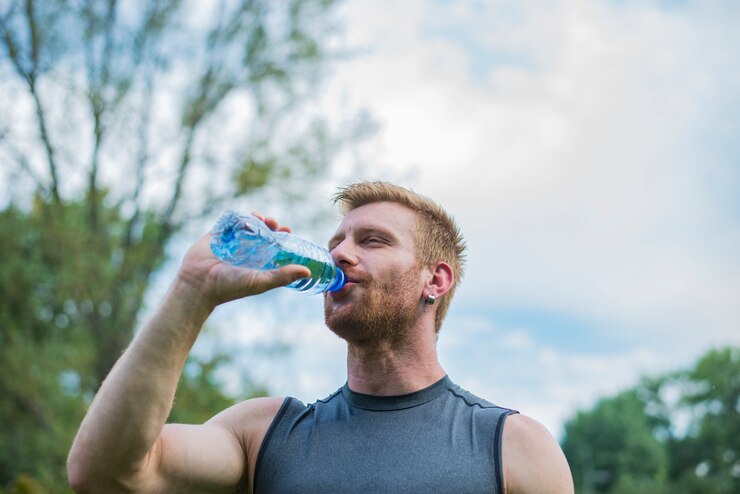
241	241
324	276
247	242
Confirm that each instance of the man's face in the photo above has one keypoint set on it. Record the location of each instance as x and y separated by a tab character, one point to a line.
374	246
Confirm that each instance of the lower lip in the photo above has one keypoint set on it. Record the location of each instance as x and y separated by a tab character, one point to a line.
342	291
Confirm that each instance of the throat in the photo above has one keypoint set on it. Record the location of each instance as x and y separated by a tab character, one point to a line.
388	368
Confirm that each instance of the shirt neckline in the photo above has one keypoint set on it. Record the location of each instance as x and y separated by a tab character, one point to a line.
398	402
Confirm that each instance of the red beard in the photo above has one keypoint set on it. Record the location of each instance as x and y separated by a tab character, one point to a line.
383	312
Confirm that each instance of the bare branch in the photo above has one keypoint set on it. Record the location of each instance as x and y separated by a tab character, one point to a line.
12	47
35	39
142	161
198	108
45	138
97	107
30	76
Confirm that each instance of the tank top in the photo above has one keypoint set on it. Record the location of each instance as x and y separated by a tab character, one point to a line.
440	439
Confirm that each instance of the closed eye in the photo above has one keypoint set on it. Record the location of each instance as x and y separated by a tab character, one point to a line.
374	240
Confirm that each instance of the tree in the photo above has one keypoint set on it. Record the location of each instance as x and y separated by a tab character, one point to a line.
123	122
706	452
48	348
612	445
133	111
675	433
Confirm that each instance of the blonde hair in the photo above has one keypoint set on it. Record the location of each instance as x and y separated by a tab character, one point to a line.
437	236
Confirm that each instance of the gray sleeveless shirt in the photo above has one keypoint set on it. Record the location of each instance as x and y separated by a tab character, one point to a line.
439	439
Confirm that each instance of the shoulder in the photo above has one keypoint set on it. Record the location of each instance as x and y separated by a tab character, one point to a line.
250	411
532	460
249	422
250	419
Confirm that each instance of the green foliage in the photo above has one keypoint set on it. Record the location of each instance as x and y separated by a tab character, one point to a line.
42	397
112	139
611	441
71	296
679	433
200	392
708	454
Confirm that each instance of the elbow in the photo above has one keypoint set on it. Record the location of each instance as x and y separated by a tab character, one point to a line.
81	474
76	479
85	475
77	476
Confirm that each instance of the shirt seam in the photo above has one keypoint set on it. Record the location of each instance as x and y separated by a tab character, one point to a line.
473	404
498	467
353	402
268	436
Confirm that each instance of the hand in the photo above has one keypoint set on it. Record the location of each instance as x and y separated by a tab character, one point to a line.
218	282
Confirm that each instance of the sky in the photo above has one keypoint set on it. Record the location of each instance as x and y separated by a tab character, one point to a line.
589	151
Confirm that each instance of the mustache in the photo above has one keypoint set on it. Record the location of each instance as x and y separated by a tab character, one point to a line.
357	276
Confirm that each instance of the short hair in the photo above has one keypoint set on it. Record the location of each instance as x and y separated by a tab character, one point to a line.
437	237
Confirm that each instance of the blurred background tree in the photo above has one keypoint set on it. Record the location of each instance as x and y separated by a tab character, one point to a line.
678	433
122	122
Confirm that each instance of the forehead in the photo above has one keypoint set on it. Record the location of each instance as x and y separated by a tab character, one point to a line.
389	216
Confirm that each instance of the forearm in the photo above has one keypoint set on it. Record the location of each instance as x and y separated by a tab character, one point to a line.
132	405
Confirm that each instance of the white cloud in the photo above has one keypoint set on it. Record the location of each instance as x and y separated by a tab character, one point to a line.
583	167
589	161
509	366
583	177
314	365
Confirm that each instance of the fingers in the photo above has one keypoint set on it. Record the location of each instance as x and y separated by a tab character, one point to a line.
272	223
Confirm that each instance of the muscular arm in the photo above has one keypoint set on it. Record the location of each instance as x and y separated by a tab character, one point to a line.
532	459
123	444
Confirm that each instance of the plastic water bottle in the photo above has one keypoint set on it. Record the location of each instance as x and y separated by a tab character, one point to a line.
245	241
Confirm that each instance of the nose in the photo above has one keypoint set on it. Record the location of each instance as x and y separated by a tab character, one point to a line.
344	254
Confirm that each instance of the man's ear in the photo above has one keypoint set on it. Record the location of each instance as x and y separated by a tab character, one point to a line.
441	280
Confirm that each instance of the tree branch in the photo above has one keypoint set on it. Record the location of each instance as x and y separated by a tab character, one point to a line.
143	159
50	156
30	76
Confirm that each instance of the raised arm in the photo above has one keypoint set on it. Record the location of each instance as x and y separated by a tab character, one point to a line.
123	444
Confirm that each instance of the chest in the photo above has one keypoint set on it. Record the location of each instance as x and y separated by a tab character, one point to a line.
353	450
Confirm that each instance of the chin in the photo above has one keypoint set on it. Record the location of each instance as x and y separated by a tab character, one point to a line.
337	319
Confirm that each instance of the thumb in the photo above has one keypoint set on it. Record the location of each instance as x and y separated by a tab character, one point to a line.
288	274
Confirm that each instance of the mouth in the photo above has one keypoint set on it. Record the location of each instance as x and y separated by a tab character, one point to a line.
349	284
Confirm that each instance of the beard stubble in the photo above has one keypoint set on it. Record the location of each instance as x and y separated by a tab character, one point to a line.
385	312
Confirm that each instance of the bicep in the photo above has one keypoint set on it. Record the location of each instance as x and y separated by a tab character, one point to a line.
218	456
197	458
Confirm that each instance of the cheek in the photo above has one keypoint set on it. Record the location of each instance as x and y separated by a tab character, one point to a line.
403	280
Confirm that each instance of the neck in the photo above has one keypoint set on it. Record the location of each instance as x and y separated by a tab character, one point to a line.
385	368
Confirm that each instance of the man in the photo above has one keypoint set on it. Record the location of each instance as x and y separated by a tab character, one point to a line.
398	425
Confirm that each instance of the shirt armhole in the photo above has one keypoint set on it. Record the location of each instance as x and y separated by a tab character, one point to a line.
268	435
498	445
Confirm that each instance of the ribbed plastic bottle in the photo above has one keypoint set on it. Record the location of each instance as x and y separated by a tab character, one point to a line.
245	241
